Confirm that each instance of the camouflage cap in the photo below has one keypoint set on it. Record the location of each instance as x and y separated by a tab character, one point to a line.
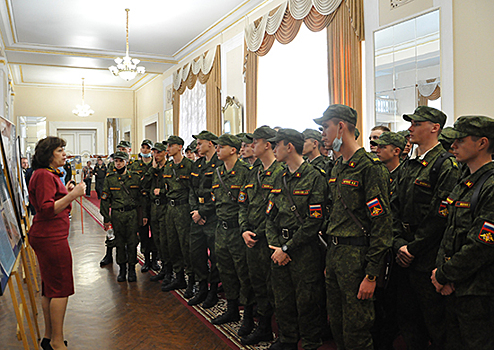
342	112
205	135
390	138
229	140
121	155
474	125
240	135
247	138
125	144
425	113
159	146
192	147
175	140
447	134
289	135
312	134
404	133
264	132
147	142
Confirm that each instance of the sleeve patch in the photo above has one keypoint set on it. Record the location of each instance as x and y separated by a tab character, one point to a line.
375	207
215	186
333	179
443	209
241	197
315	211
270	206
449	200
486	234
301	192
249	186
350	182
104	195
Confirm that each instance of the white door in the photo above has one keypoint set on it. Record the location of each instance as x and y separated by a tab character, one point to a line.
79	142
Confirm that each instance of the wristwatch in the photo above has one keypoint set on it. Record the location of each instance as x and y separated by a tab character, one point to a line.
371	278
284	248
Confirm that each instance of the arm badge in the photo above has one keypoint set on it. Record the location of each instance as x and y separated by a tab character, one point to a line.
375	207
315	211
486	234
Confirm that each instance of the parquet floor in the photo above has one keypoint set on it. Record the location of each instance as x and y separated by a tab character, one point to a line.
107	315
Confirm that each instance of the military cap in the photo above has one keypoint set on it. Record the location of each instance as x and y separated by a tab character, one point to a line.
425	113
147	142
342	112
264	132
390	138
240	135
159	146
125	144
192	147
247	138
205	135
121	155
404	133
175	140
474	125
448	134
312	134
289	135
229	140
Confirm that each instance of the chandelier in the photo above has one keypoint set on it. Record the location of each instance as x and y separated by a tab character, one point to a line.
83	110
127	67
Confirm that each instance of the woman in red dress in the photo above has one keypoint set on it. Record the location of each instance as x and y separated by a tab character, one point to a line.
48	235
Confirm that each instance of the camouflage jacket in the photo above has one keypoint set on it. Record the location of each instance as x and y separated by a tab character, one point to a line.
419	206
201	182
307	189
140	167
177	179
120	192
320	161
226	202
253	197
111	166
363	183
466	254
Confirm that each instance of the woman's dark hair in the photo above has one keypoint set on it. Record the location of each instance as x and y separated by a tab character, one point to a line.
43	152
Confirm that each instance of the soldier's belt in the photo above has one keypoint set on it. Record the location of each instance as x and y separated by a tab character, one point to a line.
126	208
227	224
157	201
287	233
175	202
355	241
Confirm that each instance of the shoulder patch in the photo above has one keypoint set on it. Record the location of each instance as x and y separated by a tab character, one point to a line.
194	174
104	195
249	186
375	207
443	209
486	234
215	186
315	211
270	206
469	184
331	180
241	197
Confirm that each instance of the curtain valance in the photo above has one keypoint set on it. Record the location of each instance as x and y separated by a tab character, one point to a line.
201	66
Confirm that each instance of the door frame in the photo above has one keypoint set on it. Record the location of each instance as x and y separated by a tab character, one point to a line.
99	126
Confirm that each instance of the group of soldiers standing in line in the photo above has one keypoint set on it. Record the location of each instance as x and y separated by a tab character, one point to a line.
364	247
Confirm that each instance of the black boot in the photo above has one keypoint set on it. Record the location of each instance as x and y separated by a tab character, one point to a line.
231	314
122	274
132	273
201	294
176	283
247	322
147	262
263	332
212	298
189	292
108	258
154	262
278	345
165	271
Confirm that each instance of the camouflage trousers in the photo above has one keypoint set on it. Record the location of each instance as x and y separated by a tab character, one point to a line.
298	288
469	321
126	240
202	239
351	319
258	262
232	264
420	310
158	232
177	220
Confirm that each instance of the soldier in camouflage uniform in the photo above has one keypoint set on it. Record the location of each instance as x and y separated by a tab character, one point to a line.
203	227
190	151
154	184
230	249
465	261
419	220
359	230
252	219
246	151
312	141
292	234
122	194
123	146
177	218
389	147
406	134
148	246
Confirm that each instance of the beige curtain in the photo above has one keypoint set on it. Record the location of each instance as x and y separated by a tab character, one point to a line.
251	62
422	100
345	57
213	95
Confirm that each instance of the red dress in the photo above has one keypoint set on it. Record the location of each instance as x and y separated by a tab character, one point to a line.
48	234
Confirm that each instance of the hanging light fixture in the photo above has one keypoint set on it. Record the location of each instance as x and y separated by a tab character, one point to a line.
127	67
83	110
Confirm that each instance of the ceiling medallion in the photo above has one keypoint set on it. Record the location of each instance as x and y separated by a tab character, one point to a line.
127	68
83	110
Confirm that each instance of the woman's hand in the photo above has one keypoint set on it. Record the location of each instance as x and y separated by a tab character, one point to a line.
79	190
70	185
